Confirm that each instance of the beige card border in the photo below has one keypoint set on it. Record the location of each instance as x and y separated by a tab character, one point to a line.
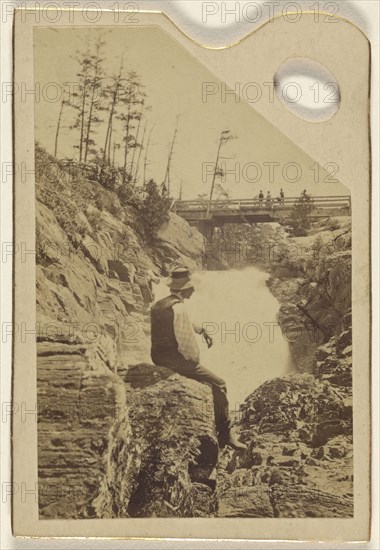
352	114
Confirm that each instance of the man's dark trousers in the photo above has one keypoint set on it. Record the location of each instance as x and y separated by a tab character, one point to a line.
193	370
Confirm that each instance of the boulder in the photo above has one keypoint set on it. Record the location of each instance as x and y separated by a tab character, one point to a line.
176	239
173	447
140	443
297	425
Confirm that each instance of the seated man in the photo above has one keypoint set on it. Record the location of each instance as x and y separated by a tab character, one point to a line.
174	346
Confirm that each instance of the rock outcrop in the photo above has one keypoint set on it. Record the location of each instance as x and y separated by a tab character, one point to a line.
113	440
177	241
311	277
140	443
161	458
299	460
78	401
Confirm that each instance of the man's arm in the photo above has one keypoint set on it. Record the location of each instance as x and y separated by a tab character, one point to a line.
184	333
200	330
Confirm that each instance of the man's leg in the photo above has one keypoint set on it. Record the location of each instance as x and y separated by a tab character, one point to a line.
195	371
222	421
219	390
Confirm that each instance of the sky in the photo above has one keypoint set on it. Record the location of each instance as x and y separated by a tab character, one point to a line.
259	158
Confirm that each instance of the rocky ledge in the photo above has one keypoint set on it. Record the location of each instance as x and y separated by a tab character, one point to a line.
139	443
299	457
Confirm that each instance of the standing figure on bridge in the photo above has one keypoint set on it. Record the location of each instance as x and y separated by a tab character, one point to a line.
268	201
282	197
174	345
261	198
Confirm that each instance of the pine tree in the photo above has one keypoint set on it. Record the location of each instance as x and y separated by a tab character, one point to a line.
225	137
95	82
131	98
113	93
79	98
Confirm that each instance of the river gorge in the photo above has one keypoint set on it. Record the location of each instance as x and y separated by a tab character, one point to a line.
130	439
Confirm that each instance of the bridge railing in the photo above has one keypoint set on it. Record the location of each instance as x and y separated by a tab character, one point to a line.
322	201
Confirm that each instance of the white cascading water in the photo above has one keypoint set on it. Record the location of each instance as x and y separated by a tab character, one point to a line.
239	312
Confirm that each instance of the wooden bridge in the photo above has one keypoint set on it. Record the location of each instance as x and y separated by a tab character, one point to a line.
207	215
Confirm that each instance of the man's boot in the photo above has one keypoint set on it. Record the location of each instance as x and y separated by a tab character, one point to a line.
226	437
233	442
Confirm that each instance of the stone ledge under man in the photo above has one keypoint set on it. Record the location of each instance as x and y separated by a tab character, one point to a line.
174	345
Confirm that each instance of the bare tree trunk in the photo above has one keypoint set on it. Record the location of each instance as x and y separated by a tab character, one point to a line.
95	81
167	173
112	111
58	126
126	140
146	152
113	154
106	141
136	139
138	158
109	143
89	121
214	177
82	122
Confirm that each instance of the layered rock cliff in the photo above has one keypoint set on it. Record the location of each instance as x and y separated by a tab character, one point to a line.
139	443
116	437
311	277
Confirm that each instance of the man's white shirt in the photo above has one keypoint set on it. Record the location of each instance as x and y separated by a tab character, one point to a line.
184	331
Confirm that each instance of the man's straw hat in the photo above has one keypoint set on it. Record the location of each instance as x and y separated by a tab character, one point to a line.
180	279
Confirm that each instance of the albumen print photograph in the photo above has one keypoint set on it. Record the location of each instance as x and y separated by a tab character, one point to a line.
193	288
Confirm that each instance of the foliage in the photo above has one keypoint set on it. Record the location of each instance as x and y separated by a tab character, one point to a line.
317	247
101	171
220	192
154	208
130	195
86	100
110	175
106	104
333	224
53	191
299	219
93	217
242	243
69	192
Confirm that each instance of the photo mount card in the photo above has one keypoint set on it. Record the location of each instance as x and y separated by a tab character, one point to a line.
192	283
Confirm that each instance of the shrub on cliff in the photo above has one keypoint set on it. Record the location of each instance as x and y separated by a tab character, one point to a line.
54	190
129	195
154	208
69	189
299	219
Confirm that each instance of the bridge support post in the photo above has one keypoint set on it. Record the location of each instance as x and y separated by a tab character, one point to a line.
206	228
